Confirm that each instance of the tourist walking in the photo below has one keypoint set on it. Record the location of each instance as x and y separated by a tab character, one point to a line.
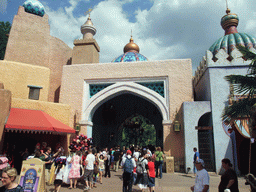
101	166
95	173
107	165
8	180
59	175
67	170
159	159
195	158
74	173
128	164
202	178
141	170
151	175
116	158
89	167
229	177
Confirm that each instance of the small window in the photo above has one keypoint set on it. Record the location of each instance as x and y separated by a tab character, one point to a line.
34	92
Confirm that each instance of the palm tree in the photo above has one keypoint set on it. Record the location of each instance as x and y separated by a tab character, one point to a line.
245	87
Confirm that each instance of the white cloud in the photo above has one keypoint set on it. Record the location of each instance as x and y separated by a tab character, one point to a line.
169	29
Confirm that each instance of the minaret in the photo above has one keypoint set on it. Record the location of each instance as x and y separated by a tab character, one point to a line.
86	50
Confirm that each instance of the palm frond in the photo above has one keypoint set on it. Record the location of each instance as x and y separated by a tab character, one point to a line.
252	67
248	55
243	84
238	109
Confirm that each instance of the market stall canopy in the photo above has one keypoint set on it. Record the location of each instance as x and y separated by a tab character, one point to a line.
35	121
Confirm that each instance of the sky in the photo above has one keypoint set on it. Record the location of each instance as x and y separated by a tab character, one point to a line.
163	29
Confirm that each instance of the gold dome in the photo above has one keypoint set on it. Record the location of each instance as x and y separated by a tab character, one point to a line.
131	46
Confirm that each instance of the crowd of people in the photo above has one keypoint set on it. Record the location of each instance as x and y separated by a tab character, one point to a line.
88	164
140	165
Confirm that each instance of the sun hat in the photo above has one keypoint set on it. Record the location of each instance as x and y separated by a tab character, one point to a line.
200	161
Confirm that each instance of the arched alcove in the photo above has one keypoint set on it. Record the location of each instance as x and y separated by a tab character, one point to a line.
110	115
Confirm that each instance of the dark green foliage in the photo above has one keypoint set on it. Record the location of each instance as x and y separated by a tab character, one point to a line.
248	55
5	28
142	135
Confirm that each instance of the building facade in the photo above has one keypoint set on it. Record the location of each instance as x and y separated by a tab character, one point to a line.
185	111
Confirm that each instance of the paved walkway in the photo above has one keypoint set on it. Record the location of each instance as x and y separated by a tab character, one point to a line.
171	182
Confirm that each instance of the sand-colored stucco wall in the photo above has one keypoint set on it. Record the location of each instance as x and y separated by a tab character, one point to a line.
177	72
85	51
17	76
5	107
30	42
59	111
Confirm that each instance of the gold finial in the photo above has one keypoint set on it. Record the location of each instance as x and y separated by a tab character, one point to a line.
228	10
88	12
131	40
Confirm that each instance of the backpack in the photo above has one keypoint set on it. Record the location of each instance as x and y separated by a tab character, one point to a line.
139	168
128	165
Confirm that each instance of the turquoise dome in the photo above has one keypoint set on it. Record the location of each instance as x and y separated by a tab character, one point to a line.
232	38
230	41
34	7
130	56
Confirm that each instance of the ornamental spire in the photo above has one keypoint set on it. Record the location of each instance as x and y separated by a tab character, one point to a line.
87	29
229	22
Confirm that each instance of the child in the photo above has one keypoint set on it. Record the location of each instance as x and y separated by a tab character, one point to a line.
151	174
101	167
59	174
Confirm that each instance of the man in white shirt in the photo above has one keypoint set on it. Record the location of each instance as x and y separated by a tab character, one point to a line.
88	174
202	178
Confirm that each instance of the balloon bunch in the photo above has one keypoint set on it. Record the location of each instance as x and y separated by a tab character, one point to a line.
80	143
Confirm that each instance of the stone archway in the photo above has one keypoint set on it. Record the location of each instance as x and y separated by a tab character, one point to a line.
118	89
108	118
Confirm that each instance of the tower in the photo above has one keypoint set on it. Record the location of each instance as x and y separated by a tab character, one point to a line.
86	50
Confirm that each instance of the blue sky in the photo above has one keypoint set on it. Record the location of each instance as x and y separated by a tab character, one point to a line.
163	29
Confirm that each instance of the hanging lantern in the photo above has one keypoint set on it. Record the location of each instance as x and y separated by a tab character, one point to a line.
176	126
77	128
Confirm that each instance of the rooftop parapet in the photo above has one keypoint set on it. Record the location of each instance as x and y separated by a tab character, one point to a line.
222	59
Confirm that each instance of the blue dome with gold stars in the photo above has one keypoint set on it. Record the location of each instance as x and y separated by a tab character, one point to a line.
131	53
232	38
34	7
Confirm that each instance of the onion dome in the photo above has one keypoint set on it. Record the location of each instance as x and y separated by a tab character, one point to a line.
232	38
34	7
131	53
87	29
131	46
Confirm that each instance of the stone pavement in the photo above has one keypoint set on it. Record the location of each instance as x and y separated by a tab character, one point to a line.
171	182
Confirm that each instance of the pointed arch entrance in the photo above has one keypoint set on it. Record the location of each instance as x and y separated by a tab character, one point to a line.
109	108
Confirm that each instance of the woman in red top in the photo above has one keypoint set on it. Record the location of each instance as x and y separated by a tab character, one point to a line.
151	174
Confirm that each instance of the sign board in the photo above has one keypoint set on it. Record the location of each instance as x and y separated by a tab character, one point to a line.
32	175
